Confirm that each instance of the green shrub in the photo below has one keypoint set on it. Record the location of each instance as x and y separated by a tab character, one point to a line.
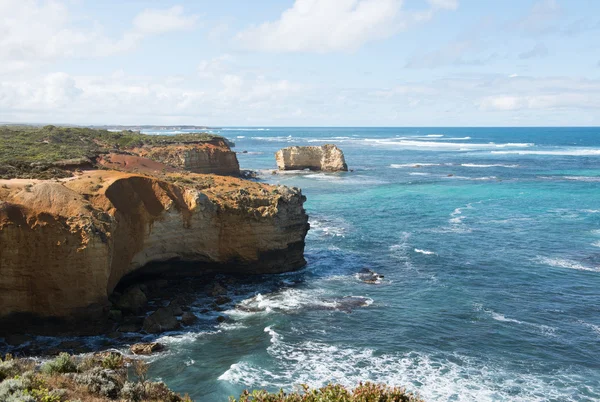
367	392
60	365
113	361
101	382
8	369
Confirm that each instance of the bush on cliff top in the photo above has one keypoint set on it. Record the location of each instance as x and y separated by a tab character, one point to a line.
22	145
367	392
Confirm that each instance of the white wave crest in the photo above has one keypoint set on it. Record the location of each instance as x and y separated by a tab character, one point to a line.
475	165
412	165
426	252
565	263
437	145
562	152
448	377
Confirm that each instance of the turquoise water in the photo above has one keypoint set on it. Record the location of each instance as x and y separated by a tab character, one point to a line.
491	256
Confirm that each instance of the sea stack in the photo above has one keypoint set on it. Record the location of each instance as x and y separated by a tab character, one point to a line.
327	158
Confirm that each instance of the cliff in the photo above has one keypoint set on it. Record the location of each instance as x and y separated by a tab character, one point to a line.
56	152
211	157
65	245
326	158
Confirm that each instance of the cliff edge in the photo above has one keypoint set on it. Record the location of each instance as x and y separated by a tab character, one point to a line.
65	245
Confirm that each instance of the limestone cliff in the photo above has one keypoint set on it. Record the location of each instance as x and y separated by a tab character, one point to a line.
326	158
208	157
65	245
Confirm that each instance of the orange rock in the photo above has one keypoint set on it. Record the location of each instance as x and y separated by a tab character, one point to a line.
64	246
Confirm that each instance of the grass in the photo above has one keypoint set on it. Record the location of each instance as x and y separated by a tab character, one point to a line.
29	150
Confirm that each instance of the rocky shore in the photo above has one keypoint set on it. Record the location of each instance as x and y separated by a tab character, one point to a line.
67	243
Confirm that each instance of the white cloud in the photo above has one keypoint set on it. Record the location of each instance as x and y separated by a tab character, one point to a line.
122	98
542	18
34	32
444	4
333	25
157	21
215	66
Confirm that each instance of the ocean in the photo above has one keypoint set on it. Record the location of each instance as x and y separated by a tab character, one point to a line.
489	243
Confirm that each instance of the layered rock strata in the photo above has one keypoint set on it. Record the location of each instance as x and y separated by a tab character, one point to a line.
208	157
327	158
65	245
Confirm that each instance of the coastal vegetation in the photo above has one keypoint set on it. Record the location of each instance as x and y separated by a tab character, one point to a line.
110	376
367	392
102	377
43	152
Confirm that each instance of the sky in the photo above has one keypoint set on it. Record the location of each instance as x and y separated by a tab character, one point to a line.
301	62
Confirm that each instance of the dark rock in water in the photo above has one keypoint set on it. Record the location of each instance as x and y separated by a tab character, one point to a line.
188	318
369	276
176	308
222	300
221	319
146	348
114	335
349	303
217	290
131	324
17	339
132	301
71	345
161	320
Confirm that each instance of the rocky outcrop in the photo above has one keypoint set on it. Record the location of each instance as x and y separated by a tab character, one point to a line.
208	157
327	158
64	246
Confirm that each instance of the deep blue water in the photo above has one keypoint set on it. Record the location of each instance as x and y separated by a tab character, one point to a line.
489	240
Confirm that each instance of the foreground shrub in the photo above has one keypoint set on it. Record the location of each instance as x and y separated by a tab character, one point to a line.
61	365
113	361
367	392
101	382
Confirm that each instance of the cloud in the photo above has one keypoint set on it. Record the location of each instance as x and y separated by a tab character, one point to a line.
215	66
333	25
45	31
157	21
542	18
444	4
539	50
129	99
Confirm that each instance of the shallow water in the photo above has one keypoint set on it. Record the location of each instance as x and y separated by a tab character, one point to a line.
491	255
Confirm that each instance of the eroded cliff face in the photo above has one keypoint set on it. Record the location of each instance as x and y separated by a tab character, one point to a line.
327	158
209	157
64	246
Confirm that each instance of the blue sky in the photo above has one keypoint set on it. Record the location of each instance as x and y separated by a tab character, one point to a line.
301	62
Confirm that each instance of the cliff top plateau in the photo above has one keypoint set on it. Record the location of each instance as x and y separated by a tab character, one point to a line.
50	151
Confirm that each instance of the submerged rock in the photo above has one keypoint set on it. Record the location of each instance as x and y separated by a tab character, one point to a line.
327	158
368	276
